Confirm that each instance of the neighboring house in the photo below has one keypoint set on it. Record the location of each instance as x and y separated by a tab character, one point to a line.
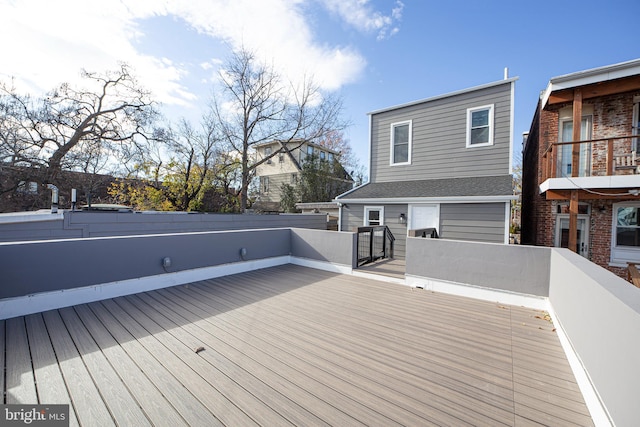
584	195
443	163
285	167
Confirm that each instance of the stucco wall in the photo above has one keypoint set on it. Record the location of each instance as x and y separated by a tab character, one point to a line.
34	267
337	247
600	314
522	269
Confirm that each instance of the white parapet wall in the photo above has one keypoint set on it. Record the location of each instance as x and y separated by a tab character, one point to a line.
599	316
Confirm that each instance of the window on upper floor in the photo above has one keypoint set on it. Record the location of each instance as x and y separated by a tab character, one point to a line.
323	155
264	184
267	153
401	143
480	126
281	158
309	150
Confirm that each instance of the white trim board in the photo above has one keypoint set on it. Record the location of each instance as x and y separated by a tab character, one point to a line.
590	395
478	292
36	303
454	199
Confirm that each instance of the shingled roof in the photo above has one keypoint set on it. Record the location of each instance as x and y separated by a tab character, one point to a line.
434	188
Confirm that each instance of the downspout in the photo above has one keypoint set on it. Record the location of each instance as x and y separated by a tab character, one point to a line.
54	198
339	216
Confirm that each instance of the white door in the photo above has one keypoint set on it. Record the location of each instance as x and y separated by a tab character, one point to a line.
424	216
582	234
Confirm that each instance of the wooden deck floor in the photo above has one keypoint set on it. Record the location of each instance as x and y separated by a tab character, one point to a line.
292	346
389	267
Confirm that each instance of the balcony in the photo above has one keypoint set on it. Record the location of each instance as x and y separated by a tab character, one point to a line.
604	157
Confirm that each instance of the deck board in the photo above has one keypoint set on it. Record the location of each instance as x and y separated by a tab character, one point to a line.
2	364
151	400
288	346
122	406
85	396
20	379
184	402
49	380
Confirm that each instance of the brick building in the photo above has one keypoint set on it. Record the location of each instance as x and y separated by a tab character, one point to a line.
25	189
581	184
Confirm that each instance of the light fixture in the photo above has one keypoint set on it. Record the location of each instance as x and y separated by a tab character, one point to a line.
402	219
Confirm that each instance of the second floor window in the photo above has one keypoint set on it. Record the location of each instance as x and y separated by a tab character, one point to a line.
401	143
480	126
265	184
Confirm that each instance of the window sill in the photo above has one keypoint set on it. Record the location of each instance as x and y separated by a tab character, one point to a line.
486	144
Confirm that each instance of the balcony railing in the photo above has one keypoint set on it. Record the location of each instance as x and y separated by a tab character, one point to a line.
374	243
594	157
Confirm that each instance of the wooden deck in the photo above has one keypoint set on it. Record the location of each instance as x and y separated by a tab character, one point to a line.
292	346
389	267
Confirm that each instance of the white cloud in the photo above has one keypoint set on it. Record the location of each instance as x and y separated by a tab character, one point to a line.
47	42
361	15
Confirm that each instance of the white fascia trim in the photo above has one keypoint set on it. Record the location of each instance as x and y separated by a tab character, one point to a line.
44	301
581	182
590	395
446	95
511	125
594	75
457	199
478	292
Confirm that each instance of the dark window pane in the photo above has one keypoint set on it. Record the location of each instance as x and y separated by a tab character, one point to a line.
480	136
401	134
628	236
480	118
401	153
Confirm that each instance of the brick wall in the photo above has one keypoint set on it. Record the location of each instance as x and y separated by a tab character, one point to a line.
612	116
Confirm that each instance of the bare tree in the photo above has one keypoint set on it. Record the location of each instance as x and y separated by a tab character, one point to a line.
174	168
71	128
256	105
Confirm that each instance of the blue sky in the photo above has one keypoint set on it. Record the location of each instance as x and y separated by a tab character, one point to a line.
375	53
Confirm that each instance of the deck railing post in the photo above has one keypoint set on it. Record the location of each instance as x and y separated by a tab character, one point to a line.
610	157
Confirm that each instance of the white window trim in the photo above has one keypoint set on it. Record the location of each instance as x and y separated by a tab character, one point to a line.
620	256
470	111
367	209
409	148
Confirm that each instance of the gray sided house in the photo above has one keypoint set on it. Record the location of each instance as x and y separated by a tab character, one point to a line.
443	163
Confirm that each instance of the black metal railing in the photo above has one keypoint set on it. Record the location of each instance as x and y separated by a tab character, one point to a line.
374	243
